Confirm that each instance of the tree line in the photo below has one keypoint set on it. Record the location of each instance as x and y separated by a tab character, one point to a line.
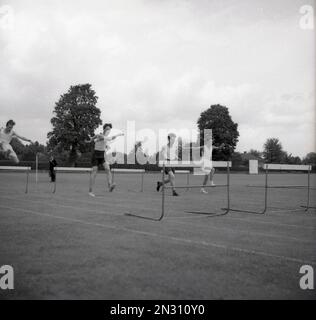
76	117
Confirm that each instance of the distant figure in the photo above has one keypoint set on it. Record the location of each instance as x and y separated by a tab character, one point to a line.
52	165
6	135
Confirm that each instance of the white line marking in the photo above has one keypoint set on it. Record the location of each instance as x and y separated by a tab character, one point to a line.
175	239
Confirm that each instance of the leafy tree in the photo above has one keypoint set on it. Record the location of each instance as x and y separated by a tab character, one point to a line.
237	159
30	151
76	117
224	130
273	151
290	159
256	153
310	158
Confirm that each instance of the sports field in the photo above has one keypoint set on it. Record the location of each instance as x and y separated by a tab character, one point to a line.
68	245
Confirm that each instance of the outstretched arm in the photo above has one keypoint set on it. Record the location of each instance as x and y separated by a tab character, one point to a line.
117	135
21	138
97	137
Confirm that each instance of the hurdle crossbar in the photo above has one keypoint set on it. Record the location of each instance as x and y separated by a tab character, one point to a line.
71	169
132	171
189	164
15	168
280	167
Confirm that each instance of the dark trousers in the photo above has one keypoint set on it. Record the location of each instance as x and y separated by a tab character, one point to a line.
52	175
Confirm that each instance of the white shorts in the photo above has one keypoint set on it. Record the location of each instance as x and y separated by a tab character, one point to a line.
206	166
5	147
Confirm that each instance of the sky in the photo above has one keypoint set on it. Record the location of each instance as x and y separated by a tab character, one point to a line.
161	63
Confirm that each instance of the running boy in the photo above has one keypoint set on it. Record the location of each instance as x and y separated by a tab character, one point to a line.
169	153
101	146
6	135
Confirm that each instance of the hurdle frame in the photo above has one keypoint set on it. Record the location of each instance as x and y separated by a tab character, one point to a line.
215	164
16	168
186	164
130	171
72	169
289	167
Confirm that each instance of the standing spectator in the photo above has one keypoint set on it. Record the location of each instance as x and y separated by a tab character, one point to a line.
52	165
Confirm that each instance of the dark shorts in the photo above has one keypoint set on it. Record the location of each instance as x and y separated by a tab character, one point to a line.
97	158
168	169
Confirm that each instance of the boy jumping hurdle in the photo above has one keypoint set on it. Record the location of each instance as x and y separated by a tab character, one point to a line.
99	157
6	135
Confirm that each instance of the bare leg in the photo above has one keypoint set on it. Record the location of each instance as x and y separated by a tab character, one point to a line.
205	179
12	156
204	183
94	174
108	174
211	176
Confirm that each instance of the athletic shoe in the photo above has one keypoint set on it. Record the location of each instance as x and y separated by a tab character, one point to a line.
204	191
112	187
213	184
159	184
91	194
174	194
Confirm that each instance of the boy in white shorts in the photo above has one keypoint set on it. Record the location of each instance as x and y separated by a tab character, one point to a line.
6	135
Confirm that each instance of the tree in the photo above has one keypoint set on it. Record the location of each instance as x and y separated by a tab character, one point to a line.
76	117
273	151
30	151
255	153
224	130
310	158
290	159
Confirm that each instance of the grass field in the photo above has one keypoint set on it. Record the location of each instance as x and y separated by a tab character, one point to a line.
68	245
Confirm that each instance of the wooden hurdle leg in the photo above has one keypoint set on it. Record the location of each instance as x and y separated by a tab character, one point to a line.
188	180
142	188
308	190
163	193
27	181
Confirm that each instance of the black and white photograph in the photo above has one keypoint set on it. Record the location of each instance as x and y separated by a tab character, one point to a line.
157	150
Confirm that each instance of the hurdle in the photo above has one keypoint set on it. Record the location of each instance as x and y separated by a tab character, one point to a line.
132	171
13	168
280	167
70	169
186	164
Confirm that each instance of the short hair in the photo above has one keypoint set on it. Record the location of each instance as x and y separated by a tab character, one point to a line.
10	122
107	125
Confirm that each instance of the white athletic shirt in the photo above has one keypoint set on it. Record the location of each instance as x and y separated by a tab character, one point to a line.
103	144
6	137
207	158
170	153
